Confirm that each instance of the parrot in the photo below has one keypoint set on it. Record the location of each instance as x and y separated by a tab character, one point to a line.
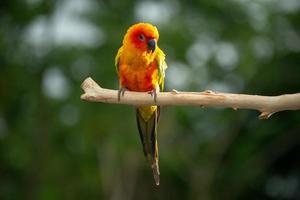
141	66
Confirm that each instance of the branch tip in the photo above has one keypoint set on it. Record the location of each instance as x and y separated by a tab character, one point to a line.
89	83
82	97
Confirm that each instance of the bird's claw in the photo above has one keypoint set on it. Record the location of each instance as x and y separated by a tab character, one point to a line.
121	92
153	94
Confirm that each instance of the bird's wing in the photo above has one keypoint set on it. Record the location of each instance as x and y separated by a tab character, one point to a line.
162	66
117	58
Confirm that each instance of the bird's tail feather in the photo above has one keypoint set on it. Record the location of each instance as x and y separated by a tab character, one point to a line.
148	134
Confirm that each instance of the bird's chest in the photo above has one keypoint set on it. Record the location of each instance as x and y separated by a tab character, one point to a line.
138	78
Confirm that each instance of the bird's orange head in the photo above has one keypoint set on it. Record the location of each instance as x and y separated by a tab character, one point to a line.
142	36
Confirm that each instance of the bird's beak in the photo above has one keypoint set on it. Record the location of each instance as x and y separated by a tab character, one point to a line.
151	45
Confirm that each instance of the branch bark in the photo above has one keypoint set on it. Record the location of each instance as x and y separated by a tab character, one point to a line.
267	105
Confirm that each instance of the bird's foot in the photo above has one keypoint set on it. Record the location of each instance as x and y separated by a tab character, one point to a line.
121	92
153	94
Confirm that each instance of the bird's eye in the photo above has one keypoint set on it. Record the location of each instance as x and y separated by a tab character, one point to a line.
141	37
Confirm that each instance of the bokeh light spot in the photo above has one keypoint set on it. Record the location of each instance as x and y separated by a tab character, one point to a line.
226	55
55	84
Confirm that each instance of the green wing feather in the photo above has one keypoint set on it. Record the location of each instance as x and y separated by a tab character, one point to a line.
162	66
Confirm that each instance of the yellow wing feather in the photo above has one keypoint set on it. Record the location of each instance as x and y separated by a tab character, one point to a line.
117	58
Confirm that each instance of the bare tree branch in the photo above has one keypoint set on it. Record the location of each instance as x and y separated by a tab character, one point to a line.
267	105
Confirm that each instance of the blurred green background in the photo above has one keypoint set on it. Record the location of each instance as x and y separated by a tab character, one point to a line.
55	146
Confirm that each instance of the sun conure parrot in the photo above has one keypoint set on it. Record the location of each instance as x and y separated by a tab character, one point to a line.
141	67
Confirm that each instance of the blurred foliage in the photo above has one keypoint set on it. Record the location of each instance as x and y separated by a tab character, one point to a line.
54	146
